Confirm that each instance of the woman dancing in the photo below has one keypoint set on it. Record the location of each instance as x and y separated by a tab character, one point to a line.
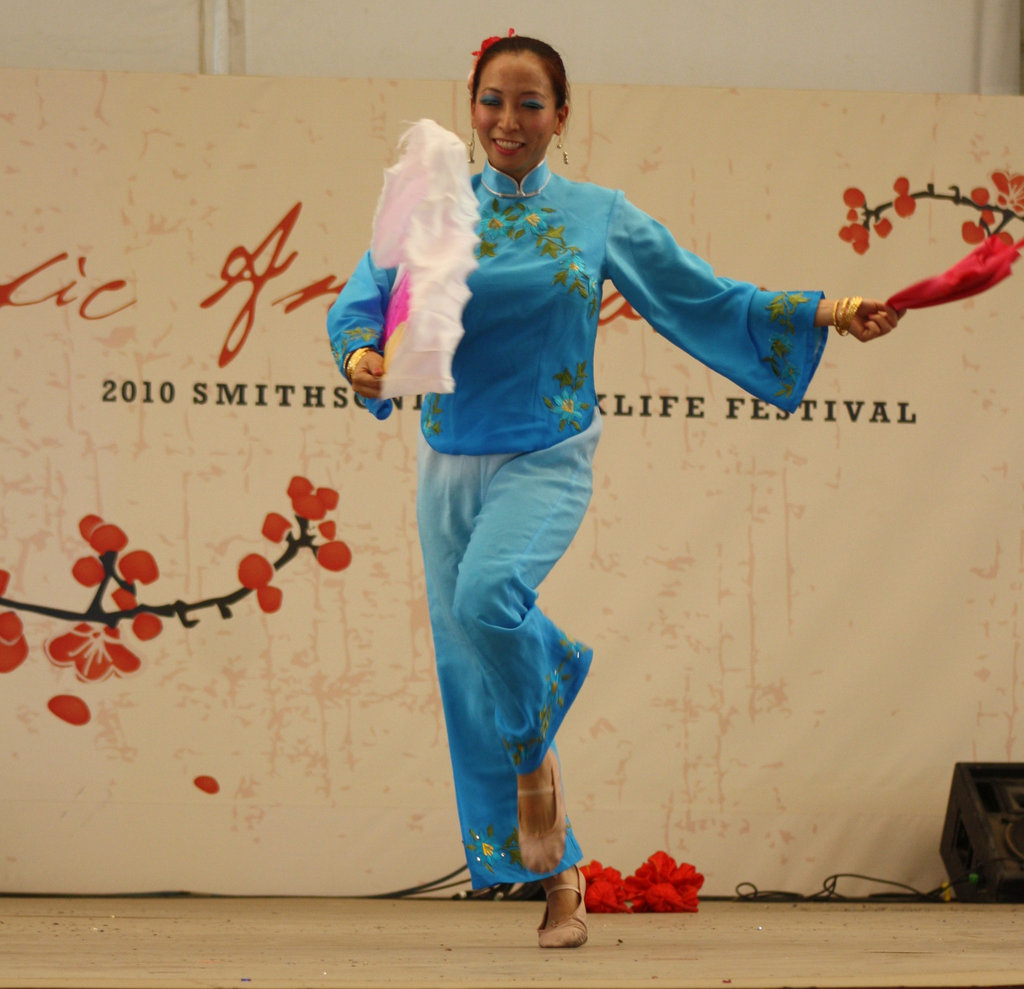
505	470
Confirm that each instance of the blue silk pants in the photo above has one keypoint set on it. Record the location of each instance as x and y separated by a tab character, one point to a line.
491	528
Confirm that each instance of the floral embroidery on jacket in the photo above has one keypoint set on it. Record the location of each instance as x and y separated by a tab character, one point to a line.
516	221
351	339
486	849
566	404
781	310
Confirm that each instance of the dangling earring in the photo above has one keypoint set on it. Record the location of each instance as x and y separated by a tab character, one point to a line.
471	147
565	154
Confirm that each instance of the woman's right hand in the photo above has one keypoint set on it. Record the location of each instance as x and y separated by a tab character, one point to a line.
368	376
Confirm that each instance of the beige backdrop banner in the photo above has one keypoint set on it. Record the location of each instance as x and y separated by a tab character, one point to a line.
800	623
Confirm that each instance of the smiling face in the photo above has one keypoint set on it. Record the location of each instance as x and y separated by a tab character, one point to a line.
515	113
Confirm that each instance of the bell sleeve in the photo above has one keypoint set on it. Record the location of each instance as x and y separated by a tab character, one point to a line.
356	320
765	342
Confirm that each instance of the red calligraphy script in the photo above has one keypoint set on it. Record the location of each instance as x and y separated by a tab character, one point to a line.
252	269
325	286
19	292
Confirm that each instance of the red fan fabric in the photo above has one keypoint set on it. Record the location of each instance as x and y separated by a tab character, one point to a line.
988	264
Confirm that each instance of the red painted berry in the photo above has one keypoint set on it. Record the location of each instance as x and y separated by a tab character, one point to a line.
107	538
69	708
255	571
87	524
334	556
138	565
309	507
147	626
328	497
207	784
11	627
88	571
269	598
299	486
275	526
904	205
854	198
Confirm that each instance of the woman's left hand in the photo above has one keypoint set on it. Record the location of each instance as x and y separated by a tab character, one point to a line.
870	319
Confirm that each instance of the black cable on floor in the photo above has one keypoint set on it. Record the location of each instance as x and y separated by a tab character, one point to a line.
746	892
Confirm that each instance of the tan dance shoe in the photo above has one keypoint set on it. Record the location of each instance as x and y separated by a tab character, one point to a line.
571	932
543	851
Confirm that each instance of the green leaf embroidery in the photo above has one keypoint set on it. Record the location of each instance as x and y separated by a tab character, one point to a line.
781	310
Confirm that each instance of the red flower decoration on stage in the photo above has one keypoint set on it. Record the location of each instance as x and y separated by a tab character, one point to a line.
661	886
95	653
606	893
658	886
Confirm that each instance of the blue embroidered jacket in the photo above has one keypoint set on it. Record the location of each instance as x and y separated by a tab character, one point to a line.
523	369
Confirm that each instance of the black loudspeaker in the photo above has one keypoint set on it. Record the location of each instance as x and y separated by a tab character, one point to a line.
983	836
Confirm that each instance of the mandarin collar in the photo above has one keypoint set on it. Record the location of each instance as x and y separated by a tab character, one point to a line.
500	184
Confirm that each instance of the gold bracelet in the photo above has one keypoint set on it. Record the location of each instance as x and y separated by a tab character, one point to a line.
353	360
852	308
843	314
835	317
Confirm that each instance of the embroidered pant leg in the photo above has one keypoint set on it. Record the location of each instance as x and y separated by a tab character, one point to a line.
491	529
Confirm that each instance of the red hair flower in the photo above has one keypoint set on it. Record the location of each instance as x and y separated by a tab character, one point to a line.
661	886
487	42
484	45
606	892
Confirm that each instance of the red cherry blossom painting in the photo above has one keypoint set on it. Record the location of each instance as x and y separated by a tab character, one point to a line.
93	645
992	210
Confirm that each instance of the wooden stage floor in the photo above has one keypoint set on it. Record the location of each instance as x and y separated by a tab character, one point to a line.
249	943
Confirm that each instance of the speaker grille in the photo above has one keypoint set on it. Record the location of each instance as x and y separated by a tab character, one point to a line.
983	836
